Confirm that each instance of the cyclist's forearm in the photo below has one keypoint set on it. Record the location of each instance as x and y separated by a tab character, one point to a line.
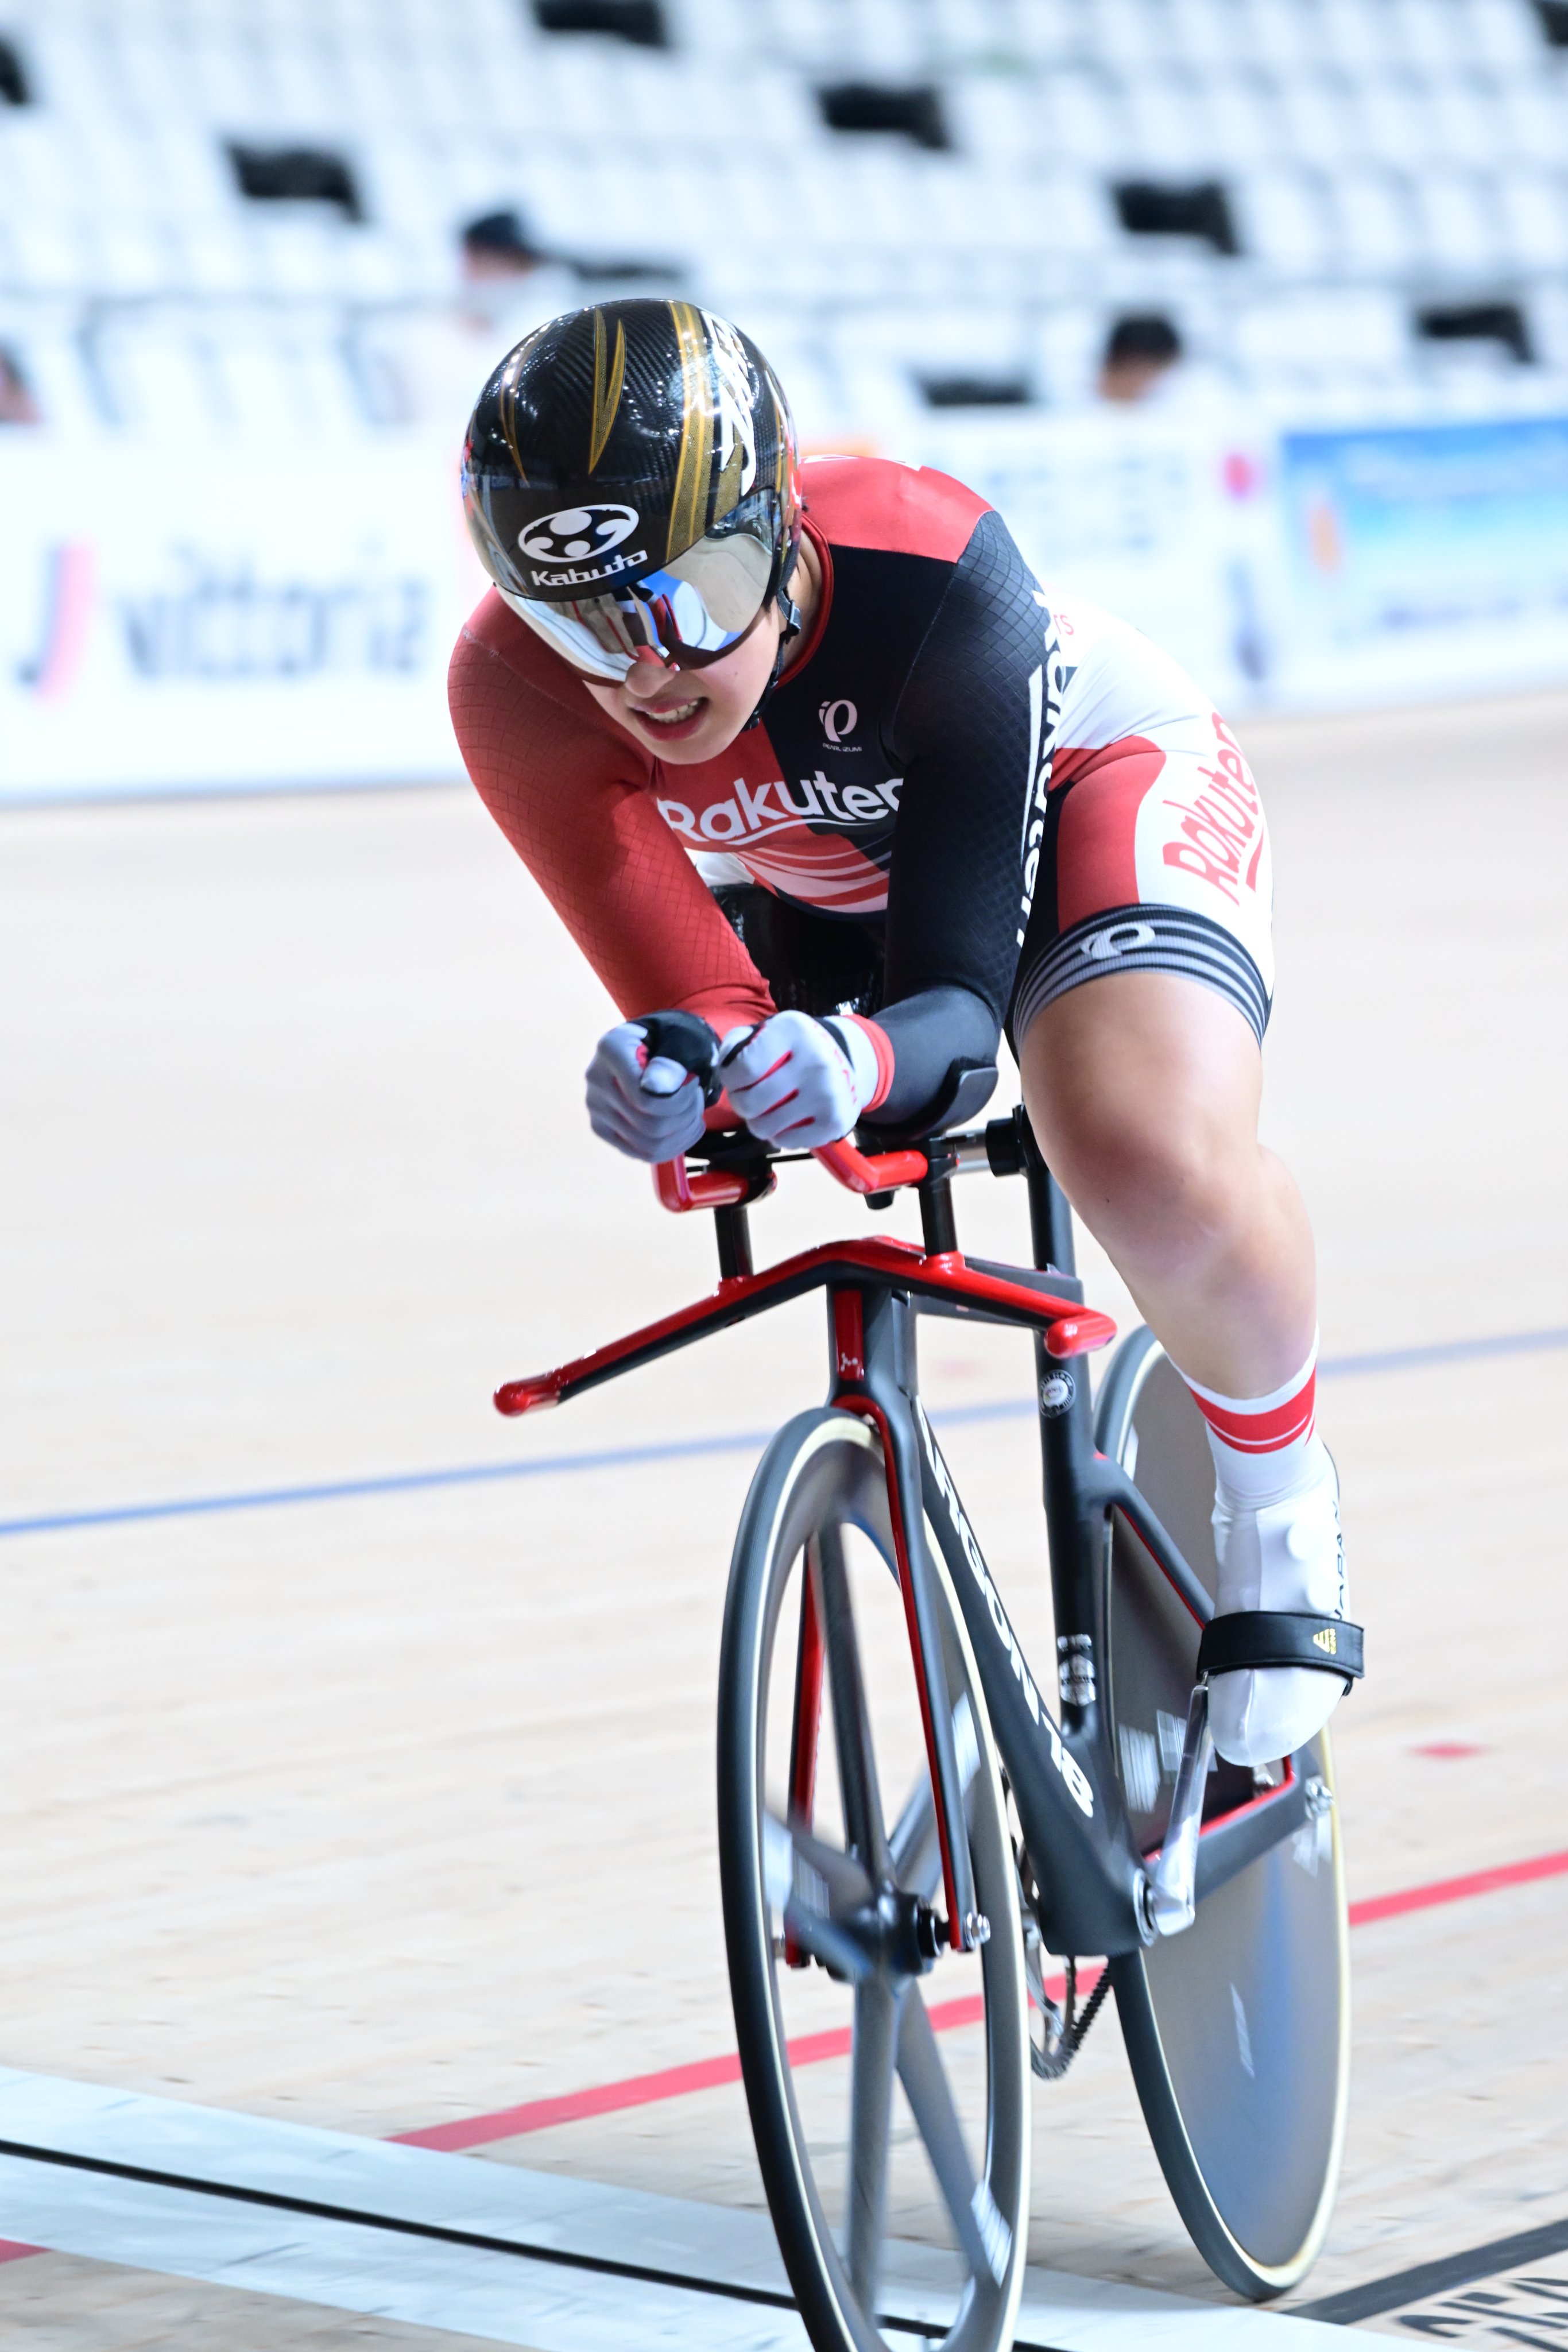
928	1033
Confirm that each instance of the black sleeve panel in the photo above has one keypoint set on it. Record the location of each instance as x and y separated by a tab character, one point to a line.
930	1033
962	731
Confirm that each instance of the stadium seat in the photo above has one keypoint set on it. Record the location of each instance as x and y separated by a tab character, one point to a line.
1418	148
1083	120
1398	129
1283	219
1504	34
1376	221
1039	32
1314	338
1462	225
1431	34
1245	115
1065	351
1358	38
997	115
1534	121
1130	35
1279	35
1534	210
1169	125
1320	120
156	377
1074	212
1467	120
1548	314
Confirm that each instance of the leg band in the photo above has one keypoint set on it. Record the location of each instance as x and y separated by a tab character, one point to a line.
1139	938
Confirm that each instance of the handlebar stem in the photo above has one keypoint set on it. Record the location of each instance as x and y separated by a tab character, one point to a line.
937	1228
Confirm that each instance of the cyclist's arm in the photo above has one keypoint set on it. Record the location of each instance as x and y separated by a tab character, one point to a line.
572	799
963	729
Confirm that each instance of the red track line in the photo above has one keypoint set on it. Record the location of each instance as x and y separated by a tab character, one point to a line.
673	2082
1458	1890
811	2049
710	2073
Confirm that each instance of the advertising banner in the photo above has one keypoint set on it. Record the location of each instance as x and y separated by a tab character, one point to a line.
262	618
247	620
1424	559
1164	518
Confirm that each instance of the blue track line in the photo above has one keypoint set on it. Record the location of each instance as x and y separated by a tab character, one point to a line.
677	1449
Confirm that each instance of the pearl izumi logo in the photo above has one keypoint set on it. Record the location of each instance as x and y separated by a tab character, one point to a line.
575	532
1122	939
840	720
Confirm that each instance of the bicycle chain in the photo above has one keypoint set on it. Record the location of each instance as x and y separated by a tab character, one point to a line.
1052	2058
1062	2028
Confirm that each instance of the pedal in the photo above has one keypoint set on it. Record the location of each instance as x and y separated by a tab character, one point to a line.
1174	1885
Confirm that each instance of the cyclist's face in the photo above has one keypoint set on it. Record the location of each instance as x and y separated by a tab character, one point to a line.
688	715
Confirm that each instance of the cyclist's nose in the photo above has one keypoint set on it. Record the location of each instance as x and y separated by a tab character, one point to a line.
648	672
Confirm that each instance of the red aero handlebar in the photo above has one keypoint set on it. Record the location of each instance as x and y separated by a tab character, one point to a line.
680	1189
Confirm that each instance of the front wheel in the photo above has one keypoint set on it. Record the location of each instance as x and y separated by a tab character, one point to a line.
887	2077
1238	2029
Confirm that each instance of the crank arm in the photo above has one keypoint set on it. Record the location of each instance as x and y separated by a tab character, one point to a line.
1197	1859
1173	1885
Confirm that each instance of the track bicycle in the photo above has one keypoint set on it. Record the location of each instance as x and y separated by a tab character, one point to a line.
866	1648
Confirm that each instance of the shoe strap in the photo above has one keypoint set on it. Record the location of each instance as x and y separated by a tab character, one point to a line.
1248	1638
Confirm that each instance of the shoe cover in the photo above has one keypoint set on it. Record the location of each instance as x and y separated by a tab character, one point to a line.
1288	1554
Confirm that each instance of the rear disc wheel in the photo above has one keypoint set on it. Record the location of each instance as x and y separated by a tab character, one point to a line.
1238	2029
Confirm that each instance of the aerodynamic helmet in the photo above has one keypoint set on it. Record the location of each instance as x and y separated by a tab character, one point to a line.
631	479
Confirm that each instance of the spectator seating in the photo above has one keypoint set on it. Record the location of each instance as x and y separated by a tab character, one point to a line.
209	214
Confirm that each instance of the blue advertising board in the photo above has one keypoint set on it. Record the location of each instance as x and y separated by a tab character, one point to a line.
1412	549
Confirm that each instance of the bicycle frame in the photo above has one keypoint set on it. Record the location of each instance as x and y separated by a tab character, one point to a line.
1095	1891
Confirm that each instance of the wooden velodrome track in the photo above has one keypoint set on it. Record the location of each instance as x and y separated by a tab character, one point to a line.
392	1808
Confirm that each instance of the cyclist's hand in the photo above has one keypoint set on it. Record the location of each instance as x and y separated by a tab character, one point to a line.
798	1082
649	1109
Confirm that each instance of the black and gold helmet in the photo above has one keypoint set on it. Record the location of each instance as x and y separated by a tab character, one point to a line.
631	479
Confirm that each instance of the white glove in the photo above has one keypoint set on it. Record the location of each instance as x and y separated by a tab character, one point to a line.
650	1110
798	1082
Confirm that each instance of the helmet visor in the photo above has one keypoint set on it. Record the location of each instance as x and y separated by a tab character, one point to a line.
693	611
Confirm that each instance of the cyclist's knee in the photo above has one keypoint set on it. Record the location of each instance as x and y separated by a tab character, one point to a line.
1168	1177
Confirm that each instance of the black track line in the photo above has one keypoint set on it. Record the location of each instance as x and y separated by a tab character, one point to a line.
601	2266
1426	2279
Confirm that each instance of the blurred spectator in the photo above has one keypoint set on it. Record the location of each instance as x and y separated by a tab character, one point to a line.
1140	352
508	287
508	281
497	246
18	405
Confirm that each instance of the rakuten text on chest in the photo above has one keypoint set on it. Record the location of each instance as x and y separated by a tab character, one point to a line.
753	809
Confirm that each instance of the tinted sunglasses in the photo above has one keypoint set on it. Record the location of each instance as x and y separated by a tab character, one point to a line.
693	611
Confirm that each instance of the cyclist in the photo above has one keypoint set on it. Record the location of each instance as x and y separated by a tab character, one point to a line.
806	751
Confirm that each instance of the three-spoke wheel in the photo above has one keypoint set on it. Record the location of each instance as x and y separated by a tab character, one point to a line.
1238	2029
887	2077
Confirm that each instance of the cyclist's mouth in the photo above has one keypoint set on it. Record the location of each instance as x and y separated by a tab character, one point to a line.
679	720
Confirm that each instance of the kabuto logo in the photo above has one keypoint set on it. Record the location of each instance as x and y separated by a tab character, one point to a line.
840	720
573	533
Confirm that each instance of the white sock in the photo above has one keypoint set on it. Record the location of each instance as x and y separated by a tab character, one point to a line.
1265	1448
